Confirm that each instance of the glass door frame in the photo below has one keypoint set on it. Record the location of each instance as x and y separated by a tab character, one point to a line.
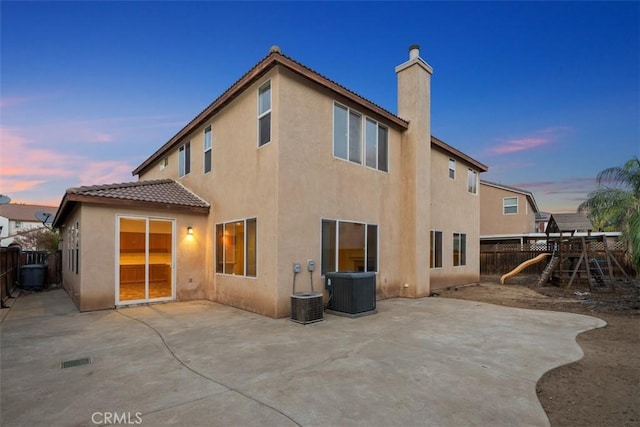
147	219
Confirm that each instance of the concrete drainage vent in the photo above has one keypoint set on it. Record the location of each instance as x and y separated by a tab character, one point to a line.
77	362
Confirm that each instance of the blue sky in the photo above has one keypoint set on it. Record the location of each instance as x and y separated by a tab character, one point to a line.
546	94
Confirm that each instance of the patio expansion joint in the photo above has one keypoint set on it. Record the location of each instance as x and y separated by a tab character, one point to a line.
217	382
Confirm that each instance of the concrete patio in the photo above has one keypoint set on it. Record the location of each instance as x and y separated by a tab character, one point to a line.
426	362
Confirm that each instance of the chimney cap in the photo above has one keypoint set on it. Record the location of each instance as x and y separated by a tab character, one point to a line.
414	51
275	49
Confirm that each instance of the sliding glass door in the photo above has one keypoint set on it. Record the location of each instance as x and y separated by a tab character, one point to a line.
145	260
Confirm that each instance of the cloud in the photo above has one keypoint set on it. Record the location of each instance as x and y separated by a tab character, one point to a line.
565	186
539	139
559	196
9	185
12	101
28	168
523	144
21	159
106	172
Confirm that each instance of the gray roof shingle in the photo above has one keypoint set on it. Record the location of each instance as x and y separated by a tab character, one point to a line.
559	223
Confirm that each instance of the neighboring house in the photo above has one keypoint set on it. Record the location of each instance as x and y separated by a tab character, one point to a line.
17	219
542	219
285	167
507	214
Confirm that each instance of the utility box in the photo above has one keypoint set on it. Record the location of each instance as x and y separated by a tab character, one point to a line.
32	276
351	294
307	307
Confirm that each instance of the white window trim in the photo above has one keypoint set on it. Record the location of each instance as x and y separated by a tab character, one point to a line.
205	149
504	205
475	177
266	82
363	142
452	161
246	236
174	250
164	162
182	161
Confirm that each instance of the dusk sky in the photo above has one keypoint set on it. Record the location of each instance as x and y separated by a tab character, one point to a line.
546	94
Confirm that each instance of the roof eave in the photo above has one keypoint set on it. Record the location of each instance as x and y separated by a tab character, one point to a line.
70	199
271	60
132	203
229	95
457	153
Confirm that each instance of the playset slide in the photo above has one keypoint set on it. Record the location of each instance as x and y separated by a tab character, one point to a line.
522	266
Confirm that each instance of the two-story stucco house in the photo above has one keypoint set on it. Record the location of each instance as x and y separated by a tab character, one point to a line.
507	214
286	166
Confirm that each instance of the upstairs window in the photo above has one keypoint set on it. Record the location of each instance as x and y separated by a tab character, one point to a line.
510	205
264	114
348	141
207	149
355	137
164	163
376	145
452	169
472	182
184	159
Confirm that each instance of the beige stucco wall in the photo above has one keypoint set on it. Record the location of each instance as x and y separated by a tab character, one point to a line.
70	280
314	185
242	184
95	286
293	182
494	221
454	210
414	105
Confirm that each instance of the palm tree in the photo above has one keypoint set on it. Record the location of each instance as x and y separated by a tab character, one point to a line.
615	204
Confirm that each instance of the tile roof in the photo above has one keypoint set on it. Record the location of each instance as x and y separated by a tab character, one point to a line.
162	193
165	191
457	153
275	57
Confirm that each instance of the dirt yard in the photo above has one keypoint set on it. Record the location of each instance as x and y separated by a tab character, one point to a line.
603	388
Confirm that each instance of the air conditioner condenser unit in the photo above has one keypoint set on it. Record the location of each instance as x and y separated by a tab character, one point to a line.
307	307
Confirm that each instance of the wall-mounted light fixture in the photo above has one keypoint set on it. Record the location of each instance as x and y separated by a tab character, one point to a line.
190	231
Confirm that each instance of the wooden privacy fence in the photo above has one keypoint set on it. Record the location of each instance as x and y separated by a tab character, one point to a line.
502	258
11	259
9	269
501	262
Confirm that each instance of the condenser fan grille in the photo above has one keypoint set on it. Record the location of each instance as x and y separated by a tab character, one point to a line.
306	307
